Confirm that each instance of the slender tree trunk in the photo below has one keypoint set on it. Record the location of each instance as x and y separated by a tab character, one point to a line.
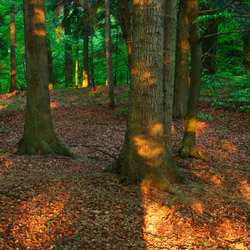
13	84
188	144
85	82
92	60
68	48
76	69
39	136
109	67
116	52
125	23
50	65
168	66
145	158
182	63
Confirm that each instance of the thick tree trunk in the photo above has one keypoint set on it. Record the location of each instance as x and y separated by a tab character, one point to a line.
125	23
168	67
188	144
68	48
13	84
85	82
50	65
182	63
145	158
109	67
39	136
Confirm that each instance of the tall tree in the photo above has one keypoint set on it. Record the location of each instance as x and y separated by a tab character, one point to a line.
144	156
13	84
182	63
68	47
50	64
39	136
85	82
188	148
109	67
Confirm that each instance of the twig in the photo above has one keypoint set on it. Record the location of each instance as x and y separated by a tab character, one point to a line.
209	11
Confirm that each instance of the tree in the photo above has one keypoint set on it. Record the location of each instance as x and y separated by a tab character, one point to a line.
144	157
39	136
188	144
85	82
50	64
109	68
13	85
182	63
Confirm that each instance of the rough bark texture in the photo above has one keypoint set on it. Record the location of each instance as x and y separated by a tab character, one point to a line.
13	84
39	136
181	64
188	143
85	82
125	23
109	67
168	67
145	158
68	48
50	65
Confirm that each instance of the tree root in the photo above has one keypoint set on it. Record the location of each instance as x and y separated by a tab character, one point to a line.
186	153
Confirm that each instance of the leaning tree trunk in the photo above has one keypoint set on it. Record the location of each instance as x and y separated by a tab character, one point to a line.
188	148
144	157
13	83
39	136
85	82
109	67
168	67
182	63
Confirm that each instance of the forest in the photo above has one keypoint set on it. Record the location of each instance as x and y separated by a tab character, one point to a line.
124	124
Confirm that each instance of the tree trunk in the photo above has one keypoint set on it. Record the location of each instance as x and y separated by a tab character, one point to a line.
85	82
68	48
168	67
92	61
182	63
13	84
116	52
76	69
50	65
39	136
145	158
109	67
188	144
125	22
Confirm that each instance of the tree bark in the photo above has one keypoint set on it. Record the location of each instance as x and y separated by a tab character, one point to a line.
39	136
50	66
168	67
109	67
76	69
92	60
68	48
85	82
144	157
188	148
182	63
13	84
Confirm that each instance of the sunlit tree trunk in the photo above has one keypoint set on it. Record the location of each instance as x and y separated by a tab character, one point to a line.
145	158
85	82
68	47
39	136
76	68
182	63
188	148
13	84
168	67
125	23
109	67
50	65
92	60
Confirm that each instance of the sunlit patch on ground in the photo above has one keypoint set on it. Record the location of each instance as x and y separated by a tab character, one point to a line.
54	105
230	147
245	189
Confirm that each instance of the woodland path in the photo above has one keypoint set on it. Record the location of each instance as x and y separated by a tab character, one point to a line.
54	202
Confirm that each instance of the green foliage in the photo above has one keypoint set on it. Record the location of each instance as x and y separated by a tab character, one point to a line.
203	116
121	112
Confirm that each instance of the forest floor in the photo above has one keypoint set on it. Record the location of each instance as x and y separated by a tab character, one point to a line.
55	202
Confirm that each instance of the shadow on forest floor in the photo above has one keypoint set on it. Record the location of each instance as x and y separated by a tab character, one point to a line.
53	202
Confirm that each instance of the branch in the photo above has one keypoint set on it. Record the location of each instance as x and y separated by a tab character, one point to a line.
228	32
209	11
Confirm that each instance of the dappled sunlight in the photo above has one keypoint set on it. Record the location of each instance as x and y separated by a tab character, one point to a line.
41	217
3	106
145	76
39	32
230	147
54	105
245	189
156	129
214	178
198	207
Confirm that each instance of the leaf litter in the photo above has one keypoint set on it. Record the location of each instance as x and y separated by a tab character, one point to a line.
55	202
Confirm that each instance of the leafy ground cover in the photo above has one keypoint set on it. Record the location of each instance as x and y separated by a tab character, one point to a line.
54	202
